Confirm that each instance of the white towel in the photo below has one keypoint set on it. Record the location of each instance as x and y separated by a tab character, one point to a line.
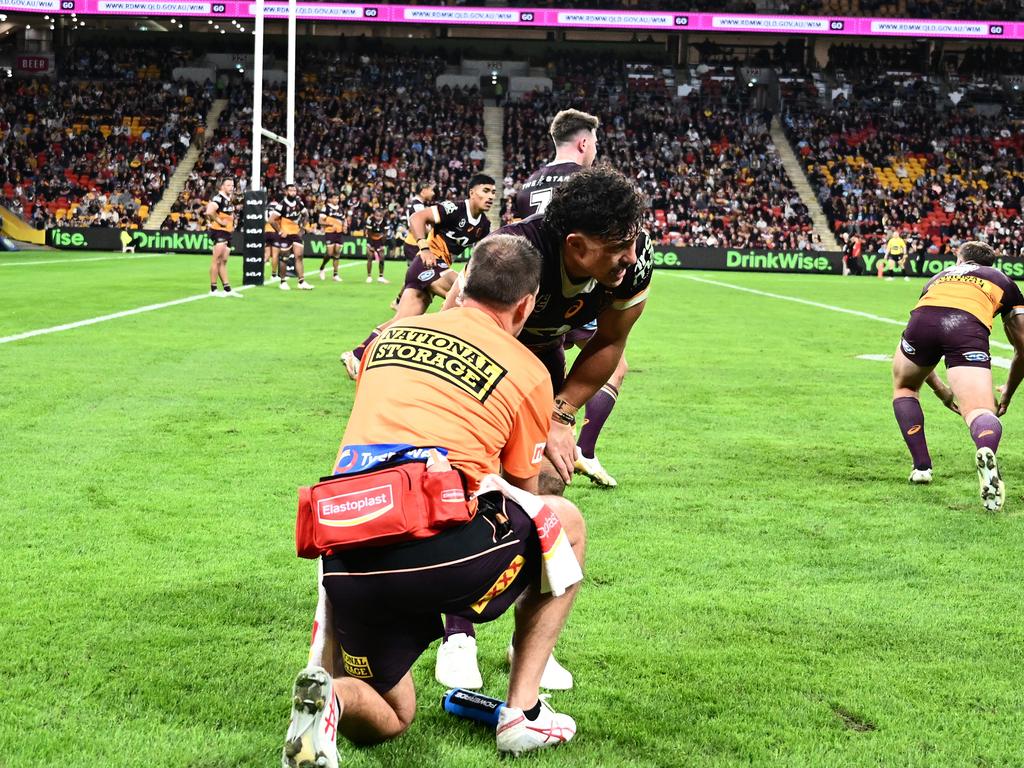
560	569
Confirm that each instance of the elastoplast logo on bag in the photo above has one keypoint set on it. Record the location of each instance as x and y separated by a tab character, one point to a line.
356	507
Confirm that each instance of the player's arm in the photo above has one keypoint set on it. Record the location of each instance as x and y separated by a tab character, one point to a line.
420	225
1014	326
594	365
274	219
211	211
454	295
942	391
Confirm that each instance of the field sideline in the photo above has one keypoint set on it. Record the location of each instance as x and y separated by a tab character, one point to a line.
764	587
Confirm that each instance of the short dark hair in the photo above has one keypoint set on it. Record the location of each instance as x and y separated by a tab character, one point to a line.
424	185
599	202
569	122
478	179
225	179
503	269
978	253
291	184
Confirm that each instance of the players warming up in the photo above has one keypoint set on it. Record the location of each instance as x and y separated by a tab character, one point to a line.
441	232
287	216
953	319
220	213
376	243
332	219
574	134
386	600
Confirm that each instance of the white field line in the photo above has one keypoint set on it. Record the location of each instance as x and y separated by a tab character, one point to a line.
999	362
125	313
809	303
38	262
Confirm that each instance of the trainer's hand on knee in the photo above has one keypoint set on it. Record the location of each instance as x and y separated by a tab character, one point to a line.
561	450
949	400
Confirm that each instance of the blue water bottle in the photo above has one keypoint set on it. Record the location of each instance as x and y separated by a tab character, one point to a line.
473	706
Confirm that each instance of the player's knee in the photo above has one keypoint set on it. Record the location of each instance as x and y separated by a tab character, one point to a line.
570	517
620	373
550	484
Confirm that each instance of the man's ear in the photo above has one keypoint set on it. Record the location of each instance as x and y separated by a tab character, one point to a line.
524	308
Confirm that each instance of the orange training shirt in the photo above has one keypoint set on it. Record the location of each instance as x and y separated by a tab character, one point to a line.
455	380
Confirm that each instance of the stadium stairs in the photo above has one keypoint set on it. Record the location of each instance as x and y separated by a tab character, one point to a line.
803	186
177	183
13	227
494	126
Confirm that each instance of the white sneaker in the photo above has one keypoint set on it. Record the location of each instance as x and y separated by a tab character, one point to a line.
234	294
921	476
312	741
515	734
555	677
323	274
993	492
284	286
906	278
351	364
888	278
304	286
383	279
369	279
217	294
274	279
337	278
592	468
456	665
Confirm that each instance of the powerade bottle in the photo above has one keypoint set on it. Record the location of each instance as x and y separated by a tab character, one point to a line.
473	706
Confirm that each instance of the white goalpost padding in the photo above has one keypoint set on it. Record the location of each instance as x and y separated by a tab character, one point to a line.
258	131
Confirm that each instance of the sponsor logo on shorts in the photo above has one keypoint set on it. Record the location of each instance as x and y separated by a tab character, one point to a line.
356	507
440	354
906	347
501	584
976	357
425	275
356	666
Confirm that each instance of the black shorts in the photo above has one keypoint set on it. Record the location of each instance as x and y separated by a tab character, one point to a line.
388	601
421	277
219	236
937	332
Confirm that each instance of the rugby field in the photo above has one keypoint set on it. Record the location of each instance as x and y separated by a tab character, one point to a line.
763	588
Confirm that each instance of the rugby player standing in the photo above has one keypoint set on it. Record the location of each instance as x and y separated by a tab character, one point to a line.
953	319
286	217
220	213
376	243
597	264
441	232
332	219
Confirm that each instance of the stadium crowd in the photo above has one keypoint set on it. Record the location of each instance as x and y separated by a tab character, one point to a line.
95	152
369	129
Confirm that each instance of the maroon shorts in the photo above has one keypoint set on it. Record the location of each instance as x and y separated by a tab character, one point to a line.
553	357
421	277
410	252
388	601
333	238
375	251
578	337
220	236
287	241
937	332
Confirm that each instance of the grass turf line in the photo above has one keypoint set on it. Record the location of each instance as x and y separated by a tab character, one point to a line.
763	588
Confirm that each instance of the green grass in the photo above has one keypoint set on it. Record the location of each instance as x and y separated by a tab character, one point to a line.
763	588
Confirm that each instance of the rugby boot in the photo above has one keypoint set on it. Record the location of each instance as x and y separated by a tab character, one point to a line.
921	476
555	677
592	468
456	665
312	734
993	492
517	734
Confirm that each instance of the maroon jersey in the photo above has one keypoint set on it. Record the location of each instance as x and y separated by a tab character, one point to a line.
537	190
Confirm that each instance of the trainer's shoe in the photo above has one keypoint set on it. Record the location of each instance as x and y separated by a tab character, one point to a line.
323	274
993	492
369	279
456	665
516	734
284	286
555	677
234	294
351	364
312	734
304	286
592	468
337	278
383	279
218	294
274	279
921	476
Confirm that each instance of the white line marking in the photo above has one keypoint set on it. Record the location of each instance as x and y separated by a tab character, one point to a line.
92	258
817	304
999	362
